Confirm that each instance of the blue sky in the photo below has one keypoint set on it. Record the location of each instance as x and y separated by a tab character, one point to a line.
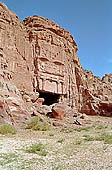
89	21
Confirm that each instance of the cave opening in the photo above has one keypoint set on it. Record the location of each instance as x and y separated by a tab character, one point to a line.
50	98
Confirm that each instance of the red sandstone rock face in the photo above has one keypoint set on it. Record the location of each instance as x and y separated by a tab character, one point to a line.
54	54
39	56
96	92
13	109
15	51
15	66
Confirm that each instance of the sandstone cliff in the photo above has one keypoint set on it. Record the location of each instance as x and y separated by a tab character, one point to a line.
38	59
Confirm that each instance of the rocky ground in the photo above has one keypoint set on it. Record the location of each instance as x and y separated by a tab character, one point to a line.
70	147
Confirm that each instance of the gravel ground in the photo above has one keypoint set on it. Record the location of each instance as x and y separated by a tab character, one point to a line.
67	149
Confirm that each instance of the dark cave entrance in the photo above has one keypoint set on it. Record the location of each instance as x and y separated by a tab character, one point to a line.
50	98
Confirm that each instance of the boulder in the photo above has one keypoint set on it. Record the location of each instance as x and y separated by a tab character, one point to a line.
60	111
40	101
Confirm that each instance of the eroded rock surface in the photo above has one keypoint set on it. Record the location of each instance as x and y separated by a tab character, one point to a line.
15	66
94	92
54	55
39	65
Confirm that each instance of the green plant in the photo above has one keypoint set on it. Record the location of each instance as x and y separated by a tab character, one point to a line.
42	126
5	129
88	138
37	149
107	138
7	158
59	167
78	142
51	134
66	130
63	130
83	128
36	124
61	140
22	22
101	127
33	122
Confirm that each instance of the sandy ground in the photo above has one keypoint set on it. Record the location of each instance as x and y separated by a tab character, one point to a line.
67	148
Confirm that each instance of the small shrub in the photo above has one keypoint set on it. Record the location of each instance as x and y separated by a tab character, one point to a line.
65	130
88	138
37	149
36	124
101	127
70	130
61	140
107	138
42	126
33	122
83	129
78	142
5	129
51	134
59	167
7	158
